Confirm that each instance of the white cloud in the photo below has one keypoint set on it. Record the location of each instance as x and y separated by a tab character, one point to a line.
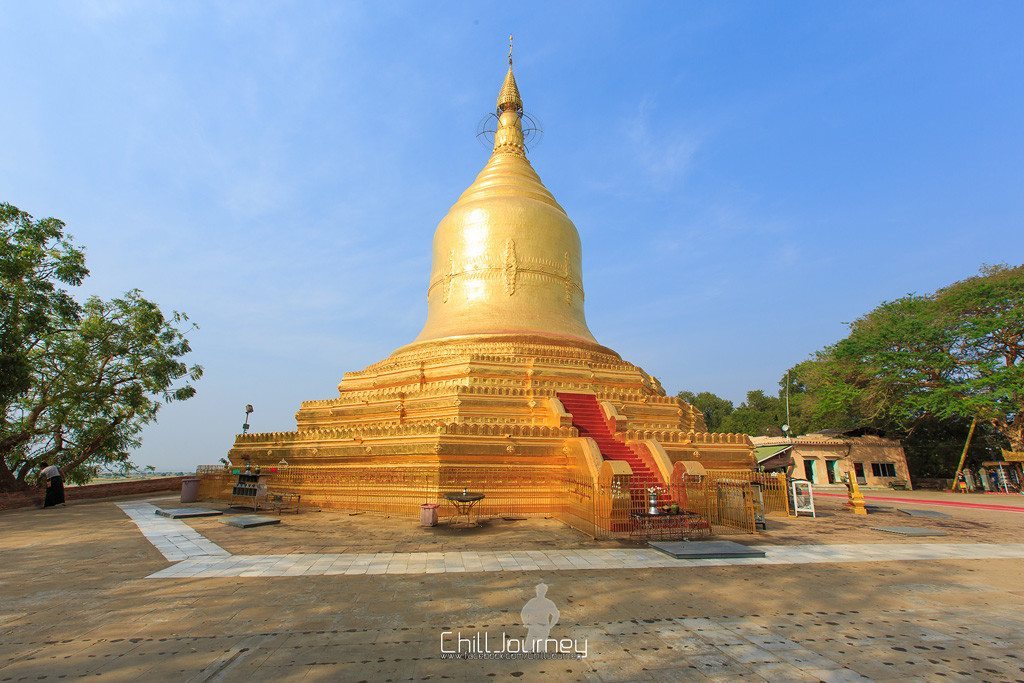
664	153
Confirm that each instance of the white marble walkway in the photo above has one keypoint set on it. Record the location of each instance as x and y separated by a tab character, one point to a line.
172	537
198	557
312	564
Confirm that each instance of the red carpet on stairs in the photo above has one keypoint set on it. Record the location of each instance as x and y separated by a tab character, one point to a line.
589	420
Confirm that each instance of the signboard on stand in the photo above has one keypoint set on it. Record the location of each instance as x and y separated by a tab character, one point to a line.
803	497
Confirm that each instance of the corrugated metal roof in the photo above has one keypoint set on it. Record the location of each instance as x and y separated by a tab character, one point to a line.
762	453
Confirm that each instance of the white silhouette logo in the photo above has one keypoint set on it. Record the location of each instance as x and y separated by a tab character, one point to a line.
538	615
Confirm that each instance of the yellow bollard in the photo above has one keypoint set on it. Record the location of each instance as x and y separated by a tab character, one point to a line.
856	498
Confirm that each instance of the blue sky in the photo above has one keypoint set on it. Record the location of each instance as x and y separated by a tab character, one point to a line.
746	177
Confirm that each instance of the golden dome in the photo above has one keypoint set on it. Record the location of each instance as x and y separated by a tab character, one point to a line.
506	258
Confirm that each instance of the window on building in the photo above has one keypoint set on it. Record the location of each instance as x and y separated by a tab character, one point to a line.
883	469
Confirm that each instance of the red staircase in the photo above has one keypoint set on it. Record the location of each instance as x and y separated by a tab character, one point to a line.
589	420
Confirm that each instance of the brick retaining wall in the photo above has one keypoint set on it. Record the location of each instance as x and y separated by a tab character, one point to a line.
93	491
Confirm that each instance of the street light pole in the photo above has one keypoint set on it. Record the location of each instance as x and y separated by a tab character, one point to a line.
786	426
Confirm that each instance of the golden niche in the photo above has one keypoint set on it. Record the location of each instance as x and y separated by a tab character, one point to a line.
505	388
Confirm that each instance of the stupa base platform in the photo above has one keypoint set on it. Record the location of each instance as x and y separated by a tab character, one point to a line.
605	506
485	413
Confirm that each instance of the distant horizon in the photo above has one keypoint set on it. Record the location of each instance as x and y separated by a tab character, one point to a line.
745	178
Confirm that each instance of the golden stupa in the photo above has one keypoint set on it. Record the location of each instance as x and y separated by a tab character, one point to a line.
505	389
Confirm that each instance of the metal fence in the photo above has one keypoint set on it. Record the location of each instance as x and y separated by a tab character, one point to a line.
610	508
773	487
660	512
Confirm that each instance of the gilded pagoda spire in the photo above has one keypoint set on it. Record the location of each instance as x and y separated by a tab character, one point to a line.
508	97
507	258
508	137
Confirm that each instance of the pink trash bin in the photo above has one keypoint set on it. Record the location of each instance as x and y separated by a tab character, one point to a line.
189	490
428	514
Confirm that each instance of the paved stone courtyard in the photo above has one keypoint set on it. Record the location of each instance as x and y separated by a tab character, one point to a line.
94	590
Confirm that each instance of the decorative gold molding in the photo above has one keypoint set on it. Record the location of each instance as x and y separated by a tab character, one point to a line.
448	278
511	267
520	266
566	279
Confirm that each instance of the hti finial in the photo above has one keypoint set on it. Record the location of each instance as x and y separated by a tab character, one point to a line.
508	96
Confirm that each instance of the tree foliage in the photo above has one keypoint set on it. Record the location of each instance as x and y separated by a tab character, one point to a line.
919	368
35	259
954	354
758	415
714	407
78	381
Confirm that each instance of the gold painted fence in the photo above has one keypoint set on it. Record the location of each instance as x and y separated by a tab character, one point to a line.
610	508
773	487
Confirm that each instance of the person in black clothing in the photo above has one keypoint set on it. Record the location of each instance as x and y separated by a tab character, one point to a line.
54	485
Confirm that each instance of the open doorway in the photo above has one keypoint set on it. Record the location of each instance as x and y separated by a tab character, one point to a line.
832	469
858	471
809	471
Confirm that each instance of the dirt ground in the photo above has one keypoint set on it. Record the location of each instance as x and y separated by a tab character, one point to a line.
76	602
835	524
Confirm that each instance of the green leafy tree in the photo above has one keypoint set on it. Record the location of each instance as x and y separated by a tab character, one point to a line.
714	407
957	354
35	259
759	415
80	381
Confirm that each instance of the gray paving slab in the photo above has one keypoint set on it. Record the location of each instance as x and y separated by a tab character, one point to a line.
185	513
933	514
909	530
703	550
250	521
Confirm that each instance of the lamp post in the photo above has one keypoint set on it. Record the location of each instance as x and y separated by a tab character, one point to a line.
248	412
785	427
